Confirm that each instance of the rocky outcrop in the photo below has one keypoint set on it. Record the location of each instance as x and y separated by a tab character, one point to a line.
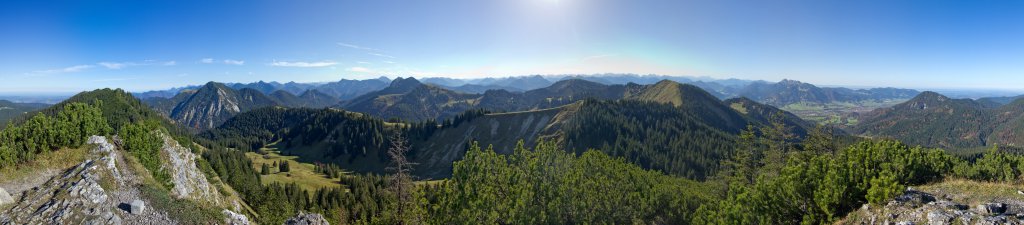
189	181
5	198
307	219
97	191
109	153
74	197
234	218
917	207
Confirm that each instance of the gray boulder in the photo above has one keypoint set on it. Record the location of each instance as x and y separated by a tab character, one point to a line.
138	206
307	219
938	217
915	198
233	218
991	208
5	198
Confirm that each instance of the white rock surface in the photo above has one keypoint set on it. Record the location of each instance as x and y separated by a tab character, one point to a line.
189	181
76	196
307	219
138	207
109	155
234	218
917	207
5	198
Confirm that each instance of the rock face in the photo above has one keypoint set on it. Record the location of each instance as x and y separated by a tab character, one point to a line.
5	198
992	208
73	197
189	181
96	191
307	219
214	103
916	207
234	218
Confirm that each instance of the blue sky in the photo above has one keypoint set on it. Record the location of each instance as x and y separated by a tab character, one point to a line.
141	45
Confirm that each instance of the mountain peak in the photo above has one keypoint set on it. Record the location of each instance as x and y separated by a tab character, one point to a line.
929	96
668	91
404	83
211	86
573	81
788	82
666	82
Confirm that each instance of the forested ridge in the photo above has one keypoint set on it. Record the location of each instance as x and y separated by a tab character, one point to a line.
10	110
934	120
652	135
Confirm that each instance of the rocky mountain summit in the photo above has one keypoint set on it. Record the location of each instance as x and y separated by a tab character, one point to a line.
104	189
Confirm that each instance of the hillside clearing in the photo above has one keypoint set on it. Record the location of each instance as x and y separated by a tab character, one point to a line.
303	174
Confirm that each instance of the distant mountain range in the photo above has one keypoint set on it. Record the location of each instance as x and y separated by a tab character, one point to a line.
623	120
412	100
788	92
214	103
10	110
778	94
927	119
931	119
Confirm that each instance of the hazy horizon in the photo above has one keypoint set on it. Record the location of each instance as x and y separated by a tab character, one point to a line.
974	93
138	46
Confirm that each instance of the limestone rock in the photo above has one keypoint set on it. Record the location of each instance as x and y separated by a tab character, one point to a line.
138	207
73	197
235	218
307	219
5	198
991	208
939	217
189	181
918	207
76	196
915	198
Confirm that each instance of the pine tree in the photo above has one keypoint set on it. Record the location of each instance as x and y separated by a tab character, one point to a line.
822	140
265	170
401	182
777	137
284	167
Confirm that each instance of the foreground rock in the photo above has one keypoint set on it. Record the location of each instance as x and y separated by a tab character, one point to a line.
189	181
96	191
138	207
5	198
917	207
234	218
307	219
74	197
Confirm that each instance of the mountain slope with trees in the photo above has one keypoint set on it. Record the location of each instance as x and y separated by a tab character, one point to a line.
214	103
411	100
788	92
10	110
934	120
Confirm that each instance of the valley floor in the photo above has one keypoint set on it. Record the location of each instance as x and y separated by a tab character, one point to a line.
845	114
